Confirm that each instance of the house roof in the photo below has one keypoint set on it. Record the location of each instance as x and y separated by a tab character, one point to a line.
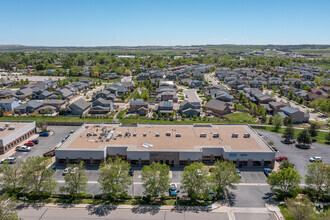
216	104
80	103
137	102
7	101
289	110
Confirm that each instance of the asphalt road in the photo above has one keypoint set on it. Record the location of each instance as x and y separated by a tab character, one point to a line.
299	157
145	213
191	95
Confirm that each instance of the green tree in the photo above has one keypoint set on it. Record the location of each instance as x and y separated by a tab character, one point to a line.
286	164
145	96
327	137
304	137
11	178
288	133
277	122
318	177
224	176
281	92
290	95
59	97
75	180
195	180
300	208
313	129
154	114
114	177
155	178
7	208
284	181
36	176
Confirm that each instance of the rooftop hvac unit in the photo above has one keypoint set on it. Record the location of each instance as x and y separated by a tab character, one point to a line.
177	135
157	135
94	134
2	128
86	126
89	134
234	135
168	133
216	135
202	135
134	134
144	134
246	135
7	125
110	136
119	134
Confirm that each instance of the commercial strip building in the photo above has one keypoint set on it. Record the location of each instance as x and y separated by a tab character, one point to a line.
12	133
142	144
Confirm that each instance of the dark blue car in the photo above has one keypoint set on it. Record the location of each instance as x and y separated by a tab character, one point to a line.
44	134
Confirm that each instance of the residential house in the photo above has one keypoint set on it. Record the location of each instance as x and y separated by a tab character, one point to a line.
9	104
47	109
78	107
101	106
297	115
22	94
189	109
28	107
142	76
57	103
139	107
167	96
41	94
65	93
164	107
217	107
196	83
276	107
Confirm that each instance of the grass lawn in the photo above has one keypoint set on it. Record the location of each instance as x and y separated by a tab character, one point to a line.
240	107
320	138
287	216
240	117
55	119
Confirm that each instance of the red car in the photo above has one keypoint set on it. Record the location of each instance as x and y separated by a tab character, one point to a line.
30	143
279	159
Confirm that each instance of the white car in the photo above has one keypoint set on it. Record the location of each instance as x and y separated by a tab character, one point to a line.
313	159
67	170
9	160
24	149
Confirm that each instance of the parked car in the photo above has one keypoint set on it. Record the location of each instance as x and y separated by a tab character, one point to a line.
238	172
30	143
267	171
131	172
24	149
10	160
67	170
315	159
36	141
44	134
173	190
280	158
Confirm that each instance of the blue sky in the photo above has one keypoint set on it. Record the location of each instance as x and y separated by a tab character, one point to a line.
160	22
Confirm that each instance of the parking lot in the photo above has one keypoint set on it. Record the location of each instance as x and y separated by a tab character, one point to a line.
46	143
299	157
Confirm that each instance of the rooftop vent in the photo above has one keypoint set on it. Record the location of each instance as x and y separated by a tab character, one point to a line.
119	134
234	135
7	125
177	135
168	133
144	134
86	126
202	135
134	134
246	135
157	135
216	135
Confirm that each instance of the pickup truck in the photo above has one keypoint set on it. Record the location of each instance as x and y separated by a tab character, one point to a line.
173	190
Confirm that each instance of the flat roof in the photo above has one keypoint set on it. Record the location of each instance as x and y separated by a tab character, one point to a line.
15	125
190	139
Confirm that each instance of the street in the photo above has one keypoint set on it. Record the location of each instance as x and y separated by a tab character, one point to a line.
143	212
